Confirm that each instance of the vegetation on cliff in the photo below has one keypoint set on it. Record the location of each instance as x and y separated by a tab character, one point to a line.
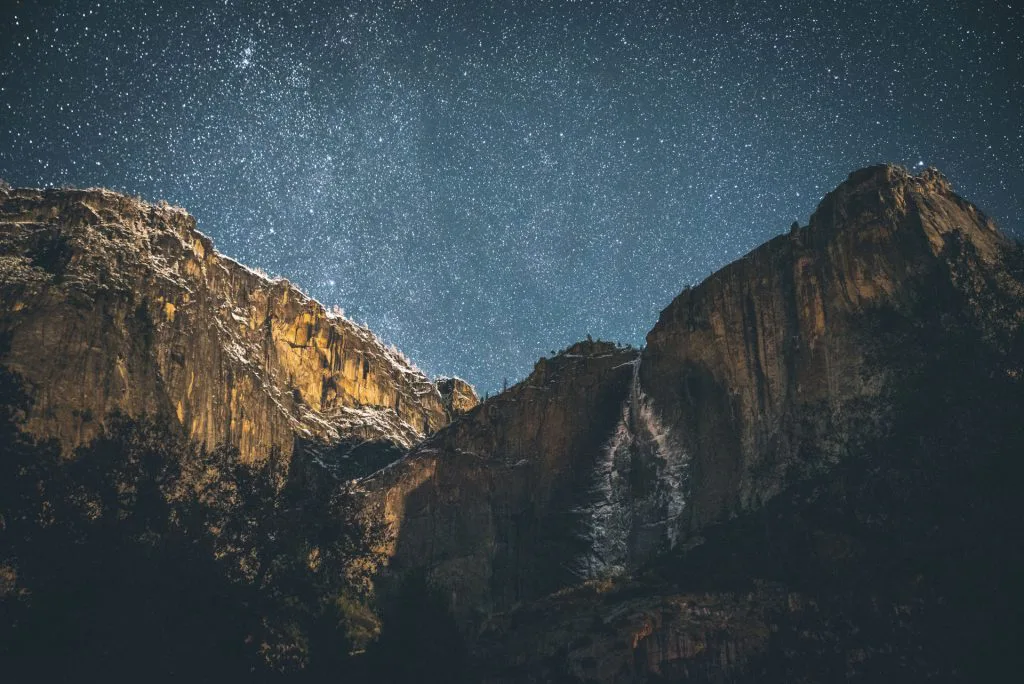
143	555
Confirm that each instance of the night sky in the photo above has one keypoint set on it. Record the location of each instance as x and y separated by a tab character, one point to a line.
483	182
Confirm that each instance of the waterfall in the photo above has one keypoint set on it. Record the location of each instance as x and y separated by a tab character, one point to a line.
637	494
605	517
659	451
634	394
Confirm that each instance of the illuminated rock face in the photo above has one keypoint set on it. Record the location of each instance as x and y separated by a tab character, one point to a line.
113	304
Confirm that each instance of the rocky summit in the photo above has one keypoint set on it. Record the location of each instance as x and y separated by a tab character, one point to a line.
806	474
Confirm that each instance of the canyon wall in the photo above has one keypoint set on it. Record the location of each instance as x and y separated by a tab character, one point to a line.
497	507
772	371
775	366
774	484
114	304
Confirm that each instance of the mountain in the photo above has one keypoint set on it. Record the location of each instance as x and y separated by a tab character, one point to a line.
806	474
864	368
493	507
776	364
114	304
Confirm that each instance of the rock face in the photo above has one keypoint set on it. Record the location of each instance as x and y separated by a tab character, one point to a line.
110	303
498	507
773	372
457	395
767	371
807	474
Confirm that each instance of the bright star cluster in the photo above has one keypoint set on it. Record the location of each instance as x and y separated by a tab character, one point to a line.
484	181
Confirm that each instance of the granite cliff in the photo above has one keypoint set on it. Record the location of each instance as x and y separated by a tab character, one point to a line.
770	369
113	304
806	474
494	506
791	372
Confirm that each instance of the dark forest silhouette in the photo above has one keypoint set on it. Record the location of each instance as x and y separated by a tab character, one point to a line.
141	555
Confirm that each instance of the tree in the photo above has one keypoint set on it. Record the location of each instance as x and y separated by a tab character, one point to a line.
144	557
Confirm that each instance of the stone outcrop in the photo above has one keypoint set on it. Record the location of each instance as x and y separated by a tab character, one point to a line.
457	395
497	506
114	304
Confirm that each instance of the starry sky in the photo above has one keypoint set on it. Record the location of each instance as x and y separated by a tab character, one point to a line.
483	182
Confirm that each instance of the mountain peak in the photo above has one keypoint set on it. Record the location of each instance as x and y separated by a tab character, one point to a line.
876	201
890	174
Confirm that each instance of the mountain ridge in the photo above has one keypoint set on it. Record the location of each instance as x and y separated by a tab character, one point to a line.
840	403
239	358
762	376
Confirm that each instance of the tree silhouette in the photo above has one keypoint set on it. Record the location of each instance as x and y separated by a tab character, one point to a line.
143	557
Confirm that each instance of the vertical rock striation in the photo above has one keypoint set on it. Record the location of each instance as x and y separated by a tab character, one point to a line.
113	304
771	369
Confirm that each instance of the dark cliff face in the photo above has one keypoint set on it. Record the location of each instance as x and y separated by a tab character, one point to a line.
765	374
110	303
900	563
498	507
773	367
771	436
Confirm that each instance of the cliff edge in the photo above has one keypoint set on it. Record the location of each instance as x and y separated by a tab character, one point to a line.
114	304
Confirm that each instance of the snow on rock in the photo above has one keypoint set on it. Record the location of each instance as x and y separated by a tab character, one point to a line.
111	303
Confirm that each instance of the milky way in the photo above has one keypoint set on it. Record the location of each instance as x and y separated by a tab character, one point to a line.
484	182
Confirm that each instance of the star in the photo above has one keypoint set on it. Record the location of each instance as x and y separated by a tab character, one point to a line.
485	182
